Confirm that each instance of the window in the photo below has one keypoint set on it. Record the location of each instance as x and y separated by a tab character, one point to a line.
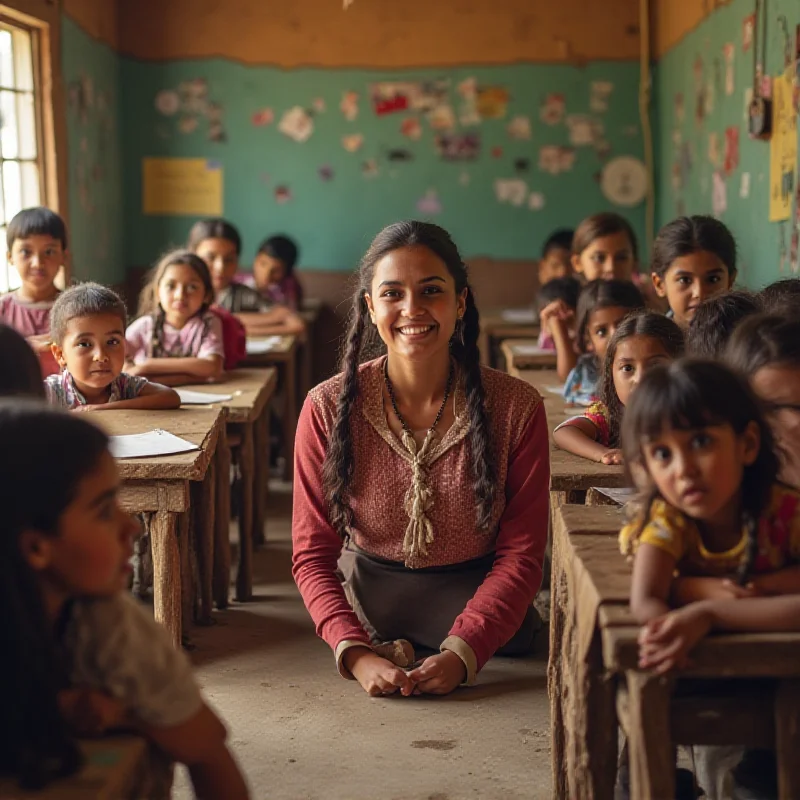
21	173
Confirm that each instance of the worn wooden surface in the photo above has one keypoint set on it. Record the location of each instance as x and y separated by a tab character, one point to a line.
222	539
516	360
569	472
252	388
494	329
115	768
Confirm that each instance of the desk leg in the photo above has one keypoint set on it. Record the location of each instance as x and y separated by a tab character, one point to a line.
166	573
261	476
188	589
652	756
203	505
222	523
787	738
244	575
290	420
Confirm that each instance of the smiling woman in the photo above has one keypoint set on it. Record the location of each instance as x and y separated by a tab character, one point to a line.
432	470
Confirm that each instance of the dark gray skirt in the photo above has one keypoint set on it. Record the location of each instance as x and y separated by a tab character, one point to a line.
421	605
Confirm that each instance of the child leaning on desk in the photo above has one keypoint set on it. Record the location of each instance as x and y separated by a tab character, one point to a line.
81	656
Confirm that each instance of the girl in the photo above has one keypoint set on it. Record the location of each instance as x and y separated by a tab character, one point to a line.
766	349
601	307
433	470
176	339
640	342
604	246
218	243
694	259
20	375
273	272
81	655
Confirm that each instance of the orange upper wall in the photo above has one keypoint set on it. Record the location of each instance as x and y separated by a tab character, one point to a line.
97	17
378	33
671	20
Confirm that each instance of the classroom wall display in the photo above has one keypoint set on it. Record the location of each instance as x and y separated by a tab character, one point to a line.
705	160
330	156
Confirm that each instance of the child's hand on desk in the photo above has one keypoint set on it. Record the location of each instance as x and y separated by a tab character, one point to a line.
556	312
90	712
84	409
665	642
613	456
376	675
439	674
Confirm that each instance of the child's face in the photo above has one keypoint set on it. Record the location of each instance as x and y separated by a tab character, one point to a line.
222	260
181	294
268	270
607	257
689	281
778	387
700	471
556	264
38	260
602	325
89	555
633	358
93	350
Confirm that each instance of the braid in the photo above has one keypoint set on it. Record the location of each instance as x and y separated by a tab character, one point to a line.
157	340
750	549
483	467
339	465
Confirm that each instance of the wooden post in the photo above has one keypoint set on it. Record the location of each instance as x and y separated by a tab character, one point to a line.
244	575
787	738
188	589
222	540
204	494
166	572
260	476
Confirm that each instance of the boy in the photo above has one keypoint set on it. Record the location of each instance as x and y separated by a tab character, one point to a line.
556	260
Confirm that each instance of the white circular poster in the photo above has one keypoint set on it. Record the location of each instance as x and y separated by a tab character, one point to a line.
624	181
167	102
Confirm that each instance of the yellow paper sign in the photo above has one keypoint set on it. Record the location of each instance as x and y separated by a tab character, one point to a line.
182	186
782	150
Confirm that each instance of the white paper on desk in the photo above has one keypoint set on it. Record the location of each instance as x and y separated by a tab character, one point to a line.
519	316
152	443
555	389
531	350
620	496
191	398
257	347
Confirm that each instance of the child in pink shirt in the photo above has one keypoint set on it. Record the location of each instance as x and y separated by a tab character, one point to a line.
37	246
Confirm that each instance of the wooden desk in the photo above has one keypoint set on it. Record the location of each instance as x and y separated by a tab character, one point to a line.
495	328
312	308
517	360
284	357
161	486
248	420
570	474
116	768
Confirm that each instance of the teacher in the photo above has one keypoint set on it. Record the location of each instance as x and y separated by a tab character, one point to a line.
431	471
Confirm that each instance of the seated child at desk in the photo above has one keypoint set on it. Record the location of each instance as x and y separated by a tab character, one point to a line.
87	325
556	260
37	247
218	243
20	374
81	656
557	301
176	339
715	321
273	272
641	341
602	305
605	247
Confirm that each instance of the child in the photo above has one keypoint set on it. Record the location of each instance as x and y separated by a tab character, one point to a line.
781	298
37	247
694	259
766	349
87	325
556	260
176	338
218	243
557	301
81	655
715	321
605	247
601	307
641	341
273	272
20	374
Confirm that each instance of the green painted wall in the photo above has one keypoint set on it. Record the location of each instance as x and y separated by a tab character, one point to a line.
92	76
685	173
335	220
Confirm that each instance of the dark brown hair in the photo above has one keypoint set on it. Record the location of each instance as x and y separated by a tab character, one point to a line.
20	372
214	229
781	297
600	225
84	300
764	341
687	235
715	321
38	221
604	294
363	343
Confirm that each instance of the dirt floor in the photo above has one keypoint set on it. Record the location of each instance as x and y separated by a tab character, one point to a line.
300	731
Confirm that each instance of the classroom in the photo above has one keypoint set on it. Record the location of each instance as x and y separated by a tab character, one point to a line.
400	399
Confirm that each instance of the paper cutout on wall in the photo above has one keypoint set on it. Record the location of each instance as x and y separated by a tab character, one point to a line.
536	201
492	102
624	181
458	146
729	52
411	128
194	96
731	149
297	124
468	112
369	168
713	149
182	186
782	150
600	92
167	102
497	152
553	109
744	186
352	142
349	105
389	98
429	204
680	107
283	194
583	130
522	165
748	26
442	118
325	173
519	128
511	190
216	130
187	125
556	159
719	194
400	154
263	117
318	104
